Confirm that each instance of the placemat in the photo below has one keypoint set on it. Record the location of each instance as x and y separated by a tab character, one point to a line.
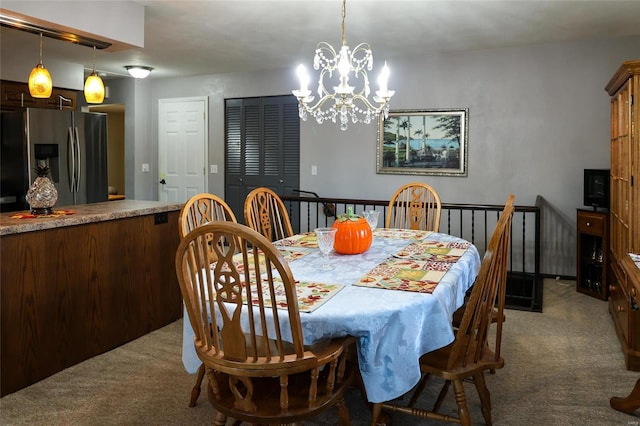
405	274
434	251
311	295
289	256
307	239
401	234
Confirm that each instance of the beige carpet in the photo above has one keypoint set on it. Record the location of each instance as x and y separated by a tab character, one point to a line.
562	366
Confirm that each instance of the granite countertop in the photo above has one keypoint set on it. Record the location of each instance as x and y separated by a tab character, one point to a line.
85	213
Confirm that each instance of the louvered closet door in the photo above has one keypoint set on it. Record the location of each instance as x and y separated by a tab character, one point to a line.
262	148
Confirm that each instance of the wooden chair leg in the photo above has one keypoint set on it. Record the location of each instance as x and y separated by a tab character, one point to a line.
629	404
418	390
461	400
375	413
220	419
485	397
441	396
195	392
343	413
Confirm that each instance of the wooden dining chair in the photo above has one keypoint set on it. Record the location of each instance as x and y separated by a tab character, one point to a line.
265	212
199	210
203	208
497	314
498	311
414	206
257	367
469	356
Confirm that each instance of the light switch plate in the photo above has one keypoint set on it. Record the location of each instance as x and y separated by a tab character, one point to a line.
145	168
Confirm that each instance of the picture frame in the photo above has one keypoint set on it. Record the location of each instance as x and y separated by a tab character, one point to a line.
438	142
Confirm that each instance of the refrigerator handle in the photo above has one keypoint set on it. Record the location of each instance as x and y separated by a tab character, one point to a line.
78	160
71	160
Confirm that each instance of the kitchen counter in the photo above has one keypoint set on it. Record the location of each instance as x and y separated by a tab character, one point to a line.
86	213
75	286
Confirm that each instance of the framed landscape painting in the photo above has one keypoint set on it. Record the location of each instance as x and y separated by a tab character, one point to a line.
423	142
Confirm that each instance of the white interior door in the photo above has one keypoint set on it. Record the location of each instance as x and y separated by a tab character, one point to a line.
182	148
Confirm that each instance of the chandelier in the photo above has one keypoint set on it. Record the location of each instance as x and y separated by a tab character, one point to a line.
345	101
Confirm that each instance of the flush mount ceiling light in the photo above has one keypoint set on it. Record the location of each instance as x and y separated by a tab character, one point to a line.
138	71
344	101
93	86
40	83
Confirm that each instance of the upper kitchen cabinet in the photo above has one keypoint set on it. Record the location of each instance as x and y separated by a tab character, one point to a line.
14	95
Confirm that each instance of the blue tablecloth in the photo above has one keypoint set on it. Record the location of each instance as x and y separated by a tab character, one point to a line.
394	327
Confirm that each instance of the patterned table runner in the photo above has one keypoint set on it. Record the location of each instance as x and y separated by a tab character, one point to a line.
289	256
401	234
434	251
418	267
307	239
311	295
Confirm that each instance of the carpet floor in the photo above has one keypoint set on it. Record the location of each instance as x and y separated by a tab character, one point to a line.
562	366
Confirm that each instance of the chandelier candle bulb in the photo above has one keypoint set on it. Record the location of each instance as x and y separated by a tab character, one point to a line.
304	82
383	80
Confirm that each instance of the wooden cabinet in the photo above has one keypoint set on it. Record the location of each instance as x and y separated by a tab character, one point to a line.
14	95
625	311
73	292
593	243
624	209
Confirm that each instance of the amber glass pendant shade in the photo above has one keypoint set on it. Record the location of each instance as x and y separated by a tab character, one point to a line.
94	89
40	84
93	86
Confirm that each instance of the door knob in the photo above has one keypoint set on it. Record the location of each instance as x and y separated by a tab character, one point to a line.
163	182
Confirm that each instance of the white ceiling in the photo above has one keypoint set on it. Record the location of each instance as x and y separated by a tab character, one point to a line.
184	37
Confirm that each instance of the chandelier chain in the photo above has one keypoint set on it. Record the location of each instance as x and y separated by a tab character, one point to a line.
344	17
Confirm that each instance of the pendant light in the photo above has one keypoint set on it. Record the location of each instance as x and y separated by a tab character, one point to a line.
93	86
40	84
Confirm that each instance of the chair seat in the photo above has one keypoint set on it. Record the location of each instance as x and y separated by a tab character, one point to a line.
268	399
458	314
435	363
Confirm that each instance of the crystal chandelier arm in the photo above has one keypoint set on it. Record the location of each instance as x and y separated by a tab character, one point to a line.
366	61
326	57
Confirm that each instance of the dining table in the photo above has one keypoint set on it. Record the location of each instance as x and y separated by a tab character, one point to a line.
397	298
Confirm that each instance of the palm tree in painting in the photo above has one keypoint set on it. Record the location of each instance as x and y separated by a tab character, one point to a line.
450	125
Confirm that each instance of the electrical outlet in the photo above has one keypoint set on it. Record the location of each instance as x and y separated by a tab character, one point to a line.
145	168
160	218
213	168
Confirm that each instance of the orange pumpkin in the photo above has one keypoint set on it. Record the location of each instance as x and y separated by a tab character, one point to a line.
353	235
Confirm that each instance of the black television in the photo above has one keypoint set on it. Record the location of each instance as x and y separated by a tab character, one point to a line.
596	188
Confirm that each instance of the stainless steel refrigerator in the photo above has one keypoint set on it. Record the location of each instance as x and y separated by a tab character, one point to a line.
72	144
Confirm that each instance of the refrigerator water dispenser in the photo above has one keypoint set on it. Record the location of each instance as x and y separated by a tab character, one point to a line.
46	154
